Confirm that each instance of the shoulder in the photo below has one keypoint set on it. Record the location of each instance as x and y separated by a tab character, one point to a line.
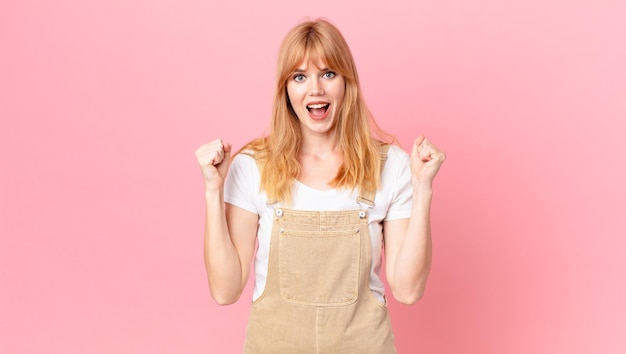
396	156
244	158
397	169
396	150
244	166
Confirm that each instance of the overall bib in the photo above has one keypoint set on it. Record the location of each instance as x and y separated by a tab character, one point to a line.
317	297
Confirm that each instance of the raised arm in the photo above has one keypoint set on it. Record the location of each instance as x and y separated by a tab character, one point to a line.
230	232
408	244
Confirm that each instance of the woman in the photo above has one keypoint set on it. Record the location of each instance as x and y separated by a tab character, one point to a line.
323	196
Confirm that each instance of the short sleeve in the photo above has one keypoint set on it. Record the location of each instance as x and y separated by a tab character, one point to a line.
402	188
241	187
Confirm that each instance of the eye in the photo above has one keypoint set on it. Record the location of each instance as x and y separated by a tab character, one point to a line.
298	78
329	74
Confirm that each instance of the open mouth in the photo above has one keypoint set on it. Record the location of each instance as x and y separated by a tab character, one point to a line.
318	109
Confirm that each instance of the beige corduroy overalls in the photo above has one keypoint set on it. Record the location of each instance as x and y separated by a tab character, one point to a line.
317	297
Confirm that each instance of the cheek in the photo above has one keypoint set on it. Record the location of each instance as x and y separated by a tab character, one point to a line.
340	94
292	95
340	91
289	96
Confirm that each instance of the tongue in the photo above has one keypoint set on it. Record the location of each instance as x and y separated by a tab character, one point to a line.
318	112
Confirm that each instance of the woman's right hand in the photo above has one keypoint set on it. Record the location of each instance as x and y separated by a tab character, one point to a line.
214	160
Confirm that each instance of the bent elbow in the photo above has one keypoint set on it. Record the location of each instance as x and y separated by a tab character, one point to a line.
224	299
225	302
409	297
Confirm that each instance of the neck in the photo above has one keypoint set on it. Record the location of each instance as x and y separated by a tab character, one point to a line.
322	144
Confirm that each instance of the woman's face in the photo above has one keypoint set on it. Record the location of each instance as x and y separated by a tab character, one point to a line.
316	94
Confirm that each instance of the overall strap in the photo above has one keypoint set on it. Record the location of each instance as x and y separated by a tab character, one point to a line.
366	196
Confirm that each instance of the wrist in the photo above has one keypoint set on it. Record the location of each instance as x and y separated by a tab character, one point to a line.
422	185
211	193
422	192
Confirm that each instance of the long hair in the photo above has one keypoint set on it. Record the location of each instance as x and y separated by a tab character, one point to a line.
318	41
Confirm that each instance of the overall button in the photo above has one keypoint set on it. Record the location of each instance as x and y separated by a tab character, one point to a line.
361	214
279	212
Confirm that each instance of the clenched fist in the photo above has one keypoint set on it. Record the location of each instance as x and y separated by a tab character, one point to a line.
214	160
426	159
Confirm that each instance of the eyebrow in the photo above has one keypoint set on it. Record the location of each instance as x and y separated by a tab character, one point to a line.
303	70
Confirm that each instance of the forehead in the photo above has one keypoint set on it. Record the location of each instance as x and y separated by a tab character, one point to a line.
311	65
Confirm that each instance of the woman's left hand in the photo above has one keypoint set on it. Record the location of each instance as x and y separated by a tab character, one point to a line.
426	159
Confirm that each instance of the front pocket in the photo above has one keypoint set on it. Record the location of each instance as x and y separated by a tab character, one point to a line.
319	267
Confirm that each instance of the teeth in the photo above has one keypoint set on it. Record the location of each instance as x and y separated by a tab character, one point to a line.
319	105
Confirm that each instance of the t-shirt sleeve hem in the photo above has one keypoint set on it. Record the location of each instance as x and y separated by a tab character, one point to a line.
398	214
240	203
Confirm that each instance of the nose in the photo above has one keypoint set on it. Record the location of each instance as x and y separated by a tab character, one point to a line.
316	88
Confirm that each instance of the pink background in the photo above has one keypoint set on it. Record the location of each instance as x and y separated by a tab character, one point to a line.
101	201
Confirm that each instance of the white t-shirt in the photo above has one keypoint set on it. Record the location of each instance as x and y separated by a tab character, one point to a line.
393	201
